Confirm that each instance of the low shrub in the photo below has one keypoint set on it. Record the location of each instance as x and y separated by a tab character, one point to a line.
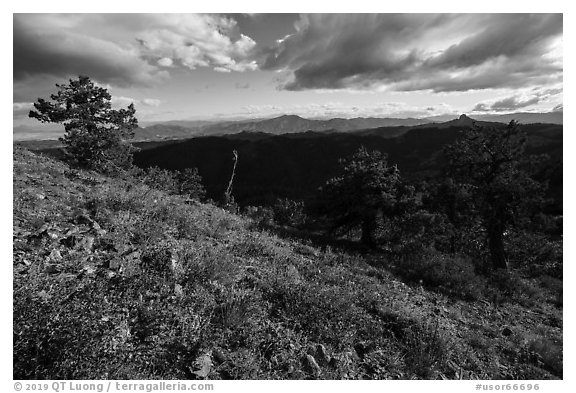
289	212
453	275
536	254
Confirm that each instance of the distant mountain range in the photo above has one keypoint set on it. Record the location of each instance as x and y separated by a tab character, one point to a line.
287	124
521	117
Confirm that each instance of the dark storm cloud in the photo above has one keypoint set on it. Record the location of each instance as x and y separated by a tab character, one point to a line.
512	36
418	52
50	50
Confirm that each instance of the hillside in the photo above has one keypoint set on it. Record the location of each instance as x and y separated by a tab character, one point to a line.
114	280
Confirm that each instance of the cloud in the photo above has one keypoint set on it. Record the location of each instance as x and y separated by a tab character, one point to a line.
165	62
121	101
43	46
197	40
411	52
151	102
518	101
21	109
240	85
506	104
126	49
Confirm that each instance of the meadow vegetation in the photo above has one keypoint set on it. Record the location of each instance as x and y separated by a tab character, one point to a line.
116	279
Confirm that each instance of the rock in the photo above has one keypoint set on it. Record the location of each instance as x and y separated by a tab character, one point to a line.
178	291
506	331
70	238
97	229
89	270
86	243
362	348
322	354
52	269
218	355
83	219
43	228
55	256
114	264
176	267
293	275
40	196
203	365
44	295
351	356
334	362
311	366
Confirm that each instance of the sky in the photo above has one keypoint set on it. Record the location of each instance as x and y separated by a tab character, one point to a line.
219	66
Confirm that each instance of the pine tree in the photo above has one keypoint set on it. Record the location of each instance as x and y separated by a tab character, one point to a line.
366	189
95	134
490	163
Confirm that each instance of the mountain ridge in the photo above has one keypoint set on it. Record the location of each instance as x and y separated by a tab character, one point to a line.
289	123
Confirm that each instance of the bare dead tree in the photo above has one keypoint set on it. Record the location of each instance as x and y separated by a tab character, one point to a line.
228	198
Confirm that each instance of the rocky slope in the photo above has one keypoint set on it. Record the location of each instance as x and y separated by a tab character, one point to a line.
115	280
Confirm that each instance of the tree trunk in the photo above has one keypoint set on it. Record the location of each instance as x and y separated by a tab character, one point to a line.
496	246
368	226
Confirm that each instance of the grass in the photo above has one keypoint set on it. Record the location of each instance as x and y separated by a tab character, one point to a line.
177	290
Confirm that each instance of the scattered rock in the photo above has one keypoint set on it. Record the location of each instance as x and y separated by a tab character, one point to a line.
506	331
351	356
52	269
293	275
43	295
311	366
322	354
86	243
55	256
83	219
178	291
88	270
176	267
218	355
334	362
97	229
362	348
114	264
202	365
